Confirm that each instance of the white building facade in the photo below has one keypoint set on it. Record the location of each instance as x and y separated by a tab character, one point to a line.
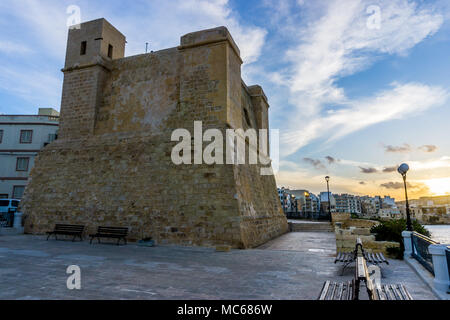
323	196
348	203
21	138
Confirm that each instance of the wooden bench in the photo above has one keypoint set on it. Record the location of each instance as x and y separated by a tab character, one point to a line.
349	257
349	290
379	291
111	232
338	290
68	230
375	258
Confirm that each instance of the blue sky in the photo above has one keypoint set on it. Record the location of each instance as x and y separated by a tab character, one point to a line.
364	83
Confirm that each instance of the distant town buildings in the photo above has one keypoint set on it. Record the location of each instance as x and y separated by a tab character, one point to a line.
21	138
369	207
348	203
325	202
300	203
428	210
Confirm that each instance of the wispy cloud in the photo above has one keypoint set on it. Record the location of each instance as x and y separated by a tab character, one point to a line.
339	44
394	185
368	170
429	164
390	169
10	47
414	188
428	148
315	163
187	16
403	148
41	27
39	86
331	160
419	167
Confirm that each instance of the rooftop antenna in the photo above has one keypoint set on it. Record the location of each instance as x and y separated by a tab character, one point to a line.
146	47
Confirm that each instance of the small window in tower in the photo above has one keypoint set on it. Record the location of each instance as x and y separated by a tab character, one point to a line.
110	51
83	48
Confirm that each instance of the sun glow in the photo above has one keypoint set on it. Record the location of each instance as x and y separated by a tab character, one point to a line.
439	186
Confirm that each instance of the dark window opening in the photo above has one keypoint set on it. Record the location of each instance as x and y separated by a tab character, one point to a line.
83	48
18	192
22	164
26	136
110	51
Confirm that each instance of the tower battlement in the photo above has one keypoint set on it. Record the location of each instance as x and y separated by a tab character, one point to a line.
93	40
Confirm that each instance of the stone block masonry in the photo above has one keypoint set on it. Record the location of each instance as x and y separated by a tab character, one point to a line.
111	165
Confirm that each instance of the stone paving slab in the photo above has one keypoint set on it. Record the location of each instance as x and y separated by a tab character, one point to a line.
293	266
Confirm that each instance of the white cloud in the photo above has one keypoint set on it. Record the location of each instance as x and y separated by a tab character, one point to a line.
436	163
10	47
426	172
338	44
162	23
40	23
37	85
159	22
42	26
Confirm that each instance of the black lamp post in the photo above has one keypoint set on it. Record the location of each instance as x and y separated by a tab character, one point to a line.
402	169
327	178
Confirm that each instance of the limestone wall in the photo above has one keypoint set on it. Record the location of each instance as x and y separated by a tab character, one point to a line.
349	230
112	165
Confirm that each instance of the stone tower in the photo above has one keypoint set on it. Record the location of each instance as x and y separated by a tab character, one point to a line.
90	50
111	164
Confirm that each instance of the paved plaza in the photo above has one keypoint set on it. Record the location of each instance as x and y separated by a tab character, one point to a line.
293	266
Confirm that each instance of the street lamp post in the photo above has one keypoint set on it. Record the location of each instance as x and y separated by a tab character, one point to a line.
327	178
402	169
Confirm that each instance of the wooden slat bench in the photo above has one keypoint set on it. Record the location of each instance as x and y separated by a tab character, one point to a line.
68	230
348	257
393	292
338	290
350	290
111	232
380	291
375	258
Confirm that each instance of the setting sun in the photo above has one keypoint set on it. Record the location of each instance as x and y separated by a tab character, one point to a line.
439	186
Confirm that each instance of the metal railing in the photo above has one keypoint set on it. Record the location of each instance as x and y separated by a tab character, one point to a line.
420	244
447	253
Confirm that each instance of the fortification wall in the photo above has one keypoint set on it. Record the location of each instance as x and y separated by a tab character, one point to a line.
112	165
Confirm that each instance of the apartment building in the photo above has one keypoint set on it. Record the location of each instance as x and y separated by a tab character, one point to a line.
21	138
348	203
